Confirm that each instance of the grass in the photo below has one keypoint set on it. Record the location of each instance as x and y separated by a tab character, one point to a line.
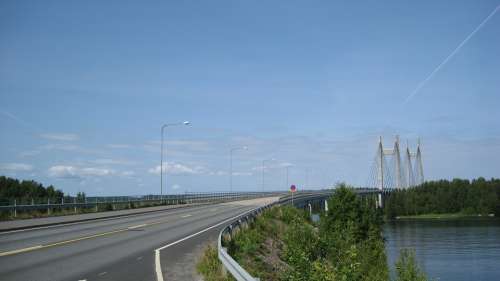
257	247
210	267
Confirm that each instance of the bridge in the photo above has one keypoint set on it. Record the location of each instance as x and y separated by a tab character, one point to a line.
160	242
388	172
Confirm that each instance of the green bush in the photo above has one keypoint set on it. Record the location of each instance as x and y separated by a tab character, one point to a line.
346	245
407	268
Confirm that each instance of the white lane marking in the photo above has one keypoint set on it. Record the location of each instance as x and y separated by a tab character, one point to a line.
102	273
13	252
159	273
139	258
137	226
20	250
186	216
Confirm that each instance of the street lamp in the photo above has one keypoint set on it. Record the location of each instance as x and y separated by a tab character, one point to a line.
263	168
231	165
161	156
307	178
287	167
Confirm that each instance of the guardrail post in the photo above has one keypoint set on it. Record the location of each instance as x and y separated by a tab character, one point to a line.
48	206
15	208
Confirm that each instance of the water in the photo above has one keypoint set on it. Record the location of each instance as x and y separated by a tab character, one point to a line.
456	250
315	217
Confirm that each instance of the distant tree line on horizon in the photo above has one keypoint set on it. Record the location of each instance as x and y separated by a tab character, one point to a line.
28	191
479	196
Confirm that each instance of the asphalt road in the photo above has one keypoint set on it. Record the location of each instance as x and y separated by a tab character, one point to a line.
118	248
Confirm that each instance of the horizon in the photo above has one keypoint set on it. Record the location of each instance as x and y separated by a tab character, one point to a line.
86	87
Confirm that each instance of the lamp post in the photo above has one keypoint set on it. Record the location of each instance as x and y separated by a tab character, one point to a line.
231	165
307	177
161	156
263	168
287	168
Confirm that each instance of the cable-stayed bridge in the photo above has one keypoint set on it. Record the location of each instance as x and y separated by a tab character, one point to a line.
395	169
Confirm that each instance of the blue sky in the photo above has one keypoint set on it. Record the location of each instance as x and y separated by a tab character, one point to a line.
86	86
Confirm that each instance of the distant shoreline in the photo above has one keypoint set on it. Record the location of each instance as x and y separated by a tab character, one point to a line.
444	216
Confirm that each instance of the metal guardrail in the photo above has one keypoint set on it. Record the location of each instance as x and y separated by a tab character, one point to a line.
130	201
236	270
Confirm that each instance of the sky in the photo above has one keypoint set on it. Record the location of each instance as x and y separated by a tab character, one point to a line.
85	87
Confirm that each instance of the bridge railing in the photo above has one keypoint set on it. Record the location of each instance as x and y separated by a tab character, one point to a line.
301	199
124	202
236	270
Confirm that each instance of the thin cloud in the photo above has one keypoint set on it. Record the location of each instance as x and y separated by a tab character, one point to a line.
450	56
73	172
119	146
177	169
106	161
29	153
60	137
65	147
17	119
242	173
15	167
127	173
219	173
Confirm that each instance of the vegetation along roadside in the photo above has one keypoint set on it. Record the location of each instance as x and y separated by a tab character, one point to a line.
284	244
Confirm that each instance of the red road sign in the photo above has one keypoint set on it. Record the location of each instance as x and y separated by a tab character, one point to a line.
293	188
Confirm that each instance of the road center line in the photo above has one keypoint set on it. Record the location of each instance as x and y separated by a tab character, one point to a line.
137	226
64	242
43	246
20	251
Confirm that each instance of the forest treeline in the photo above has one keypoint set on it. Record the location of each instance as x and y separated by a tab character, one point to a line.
25	191
479	196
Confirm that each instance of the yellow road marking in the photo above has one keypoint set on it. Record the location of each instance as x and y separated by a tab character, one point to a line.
38	247
20	251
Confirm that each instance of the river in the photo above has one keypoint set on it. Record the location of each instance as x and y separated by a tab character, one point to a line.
455	250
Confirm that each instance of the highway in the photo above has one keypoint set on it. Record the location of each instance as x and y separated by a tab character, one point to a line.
120	248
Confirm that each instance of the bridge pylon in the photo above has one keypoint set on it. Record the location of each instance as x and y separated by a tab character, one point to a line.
389	172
